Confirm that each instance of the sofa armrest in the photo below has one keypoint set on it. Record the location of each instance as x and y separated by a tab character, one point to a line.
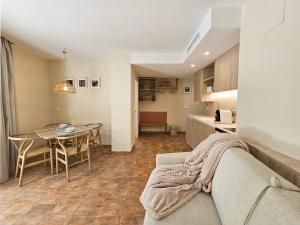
171	158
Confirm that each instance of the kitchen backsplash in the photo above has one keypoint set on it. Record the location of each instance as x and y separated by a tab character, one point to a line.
209	108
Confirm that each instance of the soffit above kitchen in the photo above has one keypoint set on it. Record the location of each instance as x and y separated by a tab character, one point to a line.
149	28
218	32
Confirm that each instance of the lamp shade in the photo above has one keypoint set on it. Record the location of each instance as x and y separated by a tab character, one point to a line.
64	87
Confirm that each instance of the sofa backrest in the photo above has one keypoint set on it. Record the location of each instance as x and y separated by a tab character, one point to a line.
238	184
277	206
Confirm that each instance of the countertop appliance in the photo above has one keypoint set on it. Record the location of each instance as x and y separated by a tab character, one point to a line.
223	116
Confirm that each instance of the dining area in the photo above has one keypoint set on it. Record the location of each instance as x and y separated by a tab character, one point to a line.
58	146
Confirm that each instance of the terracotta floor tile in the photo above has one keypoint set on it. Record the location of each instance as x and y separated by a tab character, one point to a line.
66	206
3	206
134	220
32	219
109	194
8	219
42	208
80	220
110	209
89	207
54	220
17	208
112	220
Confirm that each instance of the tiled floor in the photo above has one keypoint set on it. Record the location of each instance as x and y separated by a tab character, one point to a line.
108	195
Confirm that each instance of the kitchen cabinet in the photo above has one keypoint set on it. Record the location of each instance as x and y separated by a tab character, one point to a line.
203	78
235	67
196	131
222	75
226	70
197	86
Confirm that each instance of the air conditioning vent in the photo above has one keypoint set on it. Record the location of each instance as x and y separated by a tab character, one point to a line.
192	43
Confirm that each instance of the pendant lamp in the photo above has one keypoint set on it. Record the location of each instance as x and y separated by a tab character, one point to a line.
64	86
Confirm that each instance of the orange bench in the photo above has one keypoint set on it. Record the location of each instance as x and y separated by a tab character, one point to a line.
153	119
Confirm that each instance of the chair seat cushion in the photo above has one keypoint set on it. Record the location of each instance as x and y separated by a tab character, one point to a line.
200	210
72	150
92	138
35	151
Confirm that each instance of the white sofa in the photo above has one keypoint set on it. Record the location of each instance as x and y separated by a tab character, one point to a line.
242	194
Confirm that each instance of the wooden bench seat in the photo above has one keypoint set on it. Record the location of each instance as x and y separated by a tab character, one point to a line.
153	119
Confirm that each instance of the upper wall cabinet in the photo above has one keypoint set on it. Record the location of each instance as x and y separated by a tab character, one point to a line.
222	75
203	83
226	70
149	87
197	86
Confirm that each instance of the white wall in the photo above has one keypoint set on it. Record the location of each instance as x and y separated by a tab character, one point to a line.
32	91
134	105
86	105
121	102
269	75
176	105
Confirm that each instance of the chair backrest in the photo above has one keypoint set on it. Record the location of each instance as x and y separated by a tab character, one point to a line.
95	127
77	139
23	142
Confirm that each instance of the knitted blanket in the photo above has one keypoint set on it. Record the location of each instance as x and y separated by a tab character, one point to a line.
171	186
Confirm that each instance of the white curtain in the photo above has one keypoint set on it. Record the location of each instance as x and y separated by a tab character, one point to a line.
7	111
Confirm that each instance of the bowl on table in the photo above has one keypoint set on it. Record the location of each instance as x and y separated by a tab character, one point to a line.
70	130
62	125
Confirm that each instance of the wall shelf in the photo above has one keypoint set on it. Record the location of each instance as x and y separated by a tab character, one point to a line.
149	87
208	79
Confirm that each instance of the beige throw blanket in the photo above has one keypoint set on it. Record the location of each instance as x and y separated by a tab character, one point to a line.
171	186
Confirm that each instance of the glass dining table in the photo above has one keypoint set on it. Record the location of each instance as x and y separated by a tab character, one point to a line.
54	132
50	134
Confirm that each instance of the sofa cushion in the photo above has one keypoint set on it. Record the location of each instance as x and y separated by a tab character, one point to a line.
200	210
277	207
238	182
171	158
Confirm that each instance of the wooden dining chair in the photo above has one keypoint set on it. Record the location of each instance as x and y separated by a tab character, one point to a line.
52	142
80	148
29	150
95	134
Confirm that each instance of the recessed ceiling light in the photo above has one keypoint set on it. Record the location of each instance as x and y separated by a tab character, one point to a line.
206	53
192	65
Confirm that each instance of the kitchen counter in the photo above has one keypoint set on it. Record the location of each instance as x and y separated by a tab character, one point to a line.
210	121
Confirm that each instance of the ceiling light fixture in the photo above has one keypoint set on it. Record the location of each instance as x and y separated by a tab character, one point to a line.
193	65
65	86
207	53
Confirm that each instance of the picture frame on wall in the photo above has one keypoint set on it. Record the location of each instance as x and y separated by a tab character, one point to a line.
95	82
82	82
187	89
70	80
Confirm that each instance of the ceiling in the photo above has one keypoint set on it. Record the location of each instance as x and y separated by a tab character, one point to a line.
216	41
100	27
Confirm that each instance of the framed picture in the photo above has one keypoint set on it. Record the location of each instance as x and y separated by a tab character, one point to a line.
71	80
187	89
82	83
95	83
